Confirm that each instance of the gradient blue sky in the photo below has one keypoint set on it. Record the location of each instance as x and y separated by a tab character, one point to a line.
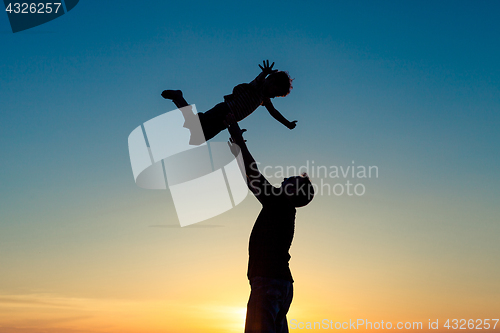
412	87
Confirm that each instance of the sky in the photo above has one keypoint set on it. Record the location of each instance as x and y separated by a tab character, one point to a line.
409	88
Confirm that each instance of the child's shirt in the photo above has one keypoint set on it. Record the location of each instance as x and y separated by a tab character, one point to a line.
245	99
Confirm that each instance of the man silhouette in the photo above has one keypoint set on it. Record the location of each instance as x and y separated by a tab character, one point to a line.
268	270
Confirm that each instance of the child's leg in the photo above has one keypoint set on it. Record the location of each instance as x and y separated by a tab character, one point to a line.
180	102
212	121
191	120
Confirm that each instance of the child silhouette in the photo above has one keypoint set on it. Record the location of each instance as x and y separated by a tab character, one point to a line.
244	100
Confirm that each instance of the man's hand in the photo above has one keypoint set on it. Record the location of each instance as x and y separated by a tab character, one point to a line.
267	69
235	149
292	124
237	145
236	133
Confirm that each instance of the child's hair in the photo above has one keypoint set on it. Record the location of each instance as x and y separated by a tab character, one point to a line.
283	82
305	191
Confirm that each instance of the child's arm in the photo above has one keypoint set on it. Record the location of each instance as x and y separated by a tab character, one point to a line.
277	115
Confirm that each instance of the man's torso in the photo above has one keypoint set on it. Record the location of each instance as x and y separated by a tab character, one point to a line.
272	236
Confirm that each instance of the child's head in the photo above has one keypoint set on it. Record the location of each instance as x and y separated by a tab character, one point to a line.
298	189
278	84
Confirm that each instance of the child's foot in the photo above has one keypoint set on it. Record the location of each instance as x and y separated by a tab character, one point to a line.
172	94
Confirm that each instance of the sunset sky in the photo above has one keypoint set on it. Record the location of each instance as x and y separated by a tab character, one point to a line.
411	88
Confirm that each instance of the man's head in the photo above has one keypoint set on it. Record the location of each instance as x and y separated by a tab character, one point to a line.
298	189
277	84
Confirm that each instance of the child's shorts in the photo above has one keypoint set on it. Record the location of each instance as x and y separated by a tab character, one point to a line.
212	121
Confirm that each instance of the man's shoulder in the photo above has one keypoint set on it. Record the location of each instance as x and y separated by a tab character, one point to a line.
262	188
262	183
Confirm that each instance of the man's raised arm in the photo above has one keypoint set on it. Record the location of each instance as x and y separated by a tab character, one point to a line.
237	144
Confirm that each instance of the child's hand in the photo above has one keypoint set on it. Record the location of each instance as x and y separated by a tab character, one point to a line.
292	124
267	69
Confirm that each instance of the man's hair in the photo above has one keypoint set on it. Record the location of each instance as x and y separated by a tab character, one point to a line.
283	82
305	191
